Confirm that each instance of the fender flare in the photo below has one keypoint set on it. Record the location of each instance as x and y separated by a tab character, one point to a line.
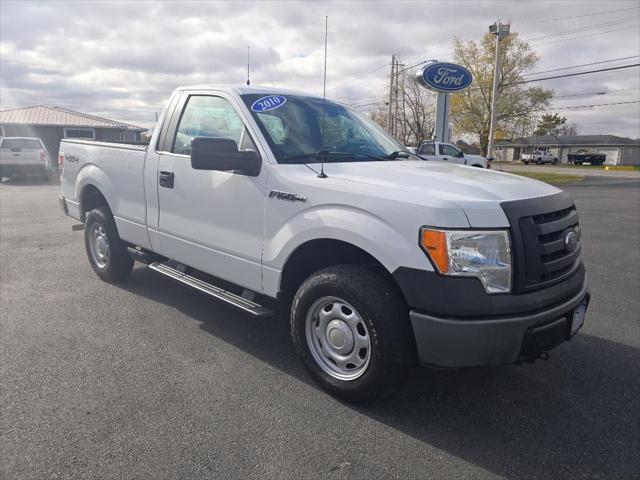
92	175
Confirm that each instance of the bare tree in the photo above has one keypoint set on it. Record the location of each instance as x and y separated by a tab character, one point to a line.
414	114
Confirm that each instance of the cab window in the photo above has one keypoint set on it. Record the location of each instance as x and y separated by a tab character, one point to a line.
207	116
427	149
450	151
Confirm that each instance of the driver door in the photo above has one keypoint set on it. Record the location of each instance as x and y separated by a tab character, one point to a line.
451	154
211	220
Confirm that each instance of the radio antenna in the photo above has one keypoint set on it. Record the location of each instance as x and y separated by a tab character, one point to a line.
248	81
324	95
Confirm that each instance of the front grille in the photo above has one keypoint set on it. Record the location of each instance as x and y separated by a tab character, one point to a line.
539	227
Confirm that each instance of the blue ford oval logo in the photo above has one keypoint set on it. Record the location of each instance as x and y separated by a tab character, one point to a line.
268	103
444	77
571	241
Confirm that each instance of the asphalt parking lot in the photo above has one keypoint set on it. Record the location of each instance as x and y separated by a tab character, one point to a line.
150	379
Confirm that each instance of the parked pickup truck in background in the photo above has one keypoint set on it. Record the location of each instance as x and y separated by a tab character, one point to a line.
539	157
24	157
592	158
446	152
381	260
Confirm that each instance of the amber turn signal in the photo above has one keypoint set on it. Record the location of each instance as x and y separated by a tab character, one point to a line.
434	242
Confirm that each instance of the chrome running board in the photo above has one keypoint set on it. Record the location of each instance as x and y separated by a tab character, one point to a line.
213	291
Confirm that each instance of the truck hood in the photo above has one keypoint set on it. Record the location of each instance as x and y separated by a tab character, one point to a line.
478	192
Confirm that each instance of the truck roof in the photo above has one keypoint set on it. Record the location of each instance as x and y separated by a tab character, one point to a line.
246	89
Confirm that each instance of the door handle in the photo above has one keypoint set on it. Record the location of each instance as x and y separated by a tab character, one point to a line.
445	158
166	179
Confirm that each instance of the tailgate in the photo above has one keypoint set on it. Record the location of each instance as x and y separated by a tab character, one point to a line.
22	151
19	156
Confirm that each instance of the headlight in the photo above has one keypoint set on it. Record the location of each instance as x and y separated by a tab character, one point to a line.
471	253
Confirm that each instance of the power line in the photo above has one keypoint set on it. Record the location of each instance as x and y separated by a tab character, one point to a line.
572	74
606	92
583	65
582	29
585	36
590	106
546	20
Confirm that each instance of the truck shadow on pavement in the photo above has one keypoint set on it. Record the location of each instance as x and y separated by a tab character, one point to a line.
575	415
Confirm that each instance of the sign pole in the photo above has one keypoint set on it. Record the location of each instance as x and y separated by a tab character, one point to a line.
441	133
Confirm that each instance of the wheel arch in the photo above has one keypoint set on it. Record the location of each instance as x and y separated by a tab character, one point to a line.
91	197
316	254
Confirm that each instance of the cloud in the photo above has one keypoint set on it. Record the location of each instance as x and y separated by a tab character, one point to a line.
122	59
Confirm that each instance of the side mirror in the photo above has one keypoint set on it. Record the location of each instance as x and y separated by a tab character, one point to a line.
222	154
490	159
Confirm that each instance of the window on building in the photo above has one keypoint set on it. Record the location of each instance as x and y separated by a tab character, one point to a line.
82	133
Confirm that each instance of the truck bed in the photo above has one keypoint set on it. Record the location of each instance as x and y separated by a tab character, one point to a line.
120	167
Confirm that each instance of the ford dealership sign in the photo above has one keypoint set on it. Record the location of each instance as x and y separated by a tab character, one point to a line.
444	77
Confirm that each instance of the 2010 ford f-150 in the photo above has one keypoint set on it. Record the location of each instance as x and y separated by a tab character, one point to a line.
262	197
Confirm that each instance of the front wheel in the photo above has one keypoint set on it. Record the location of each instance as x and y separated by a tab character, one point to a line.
107	253
351	329
539	161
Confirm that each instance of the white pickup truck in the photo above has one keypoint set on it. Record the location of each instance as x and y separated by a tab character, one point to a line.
23	157
539	157
445	152
262	197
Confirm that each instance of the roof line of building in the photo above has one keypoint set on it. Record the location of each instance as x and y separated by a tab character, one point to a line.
114	123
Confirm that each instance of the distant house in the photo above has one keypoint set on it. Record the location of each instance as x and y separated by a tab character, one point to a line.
51	124
619	150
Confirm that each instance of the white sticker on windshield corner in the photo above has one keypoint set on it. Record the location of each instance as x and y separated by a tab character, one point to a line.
269	102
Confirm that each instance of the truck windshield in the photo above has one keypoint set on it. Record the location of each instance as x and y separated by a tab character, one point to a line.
293	126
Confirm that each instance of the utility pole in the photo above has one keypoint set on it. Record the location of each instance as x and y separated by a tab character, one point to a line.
395	99
391	79
499	30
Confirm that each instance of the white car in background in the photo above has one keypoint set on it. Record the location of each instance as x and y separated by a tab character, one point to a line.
447	152
24	157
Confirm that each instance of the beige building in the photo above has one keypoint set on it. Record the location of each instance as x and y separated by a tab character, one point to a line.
619	150
51	124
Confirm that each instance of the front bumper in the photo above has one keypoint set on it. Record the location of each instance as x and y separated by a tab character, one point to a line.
455	342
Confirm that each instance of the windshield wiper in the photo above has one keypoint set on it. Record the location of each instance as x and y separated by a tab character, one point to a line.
397	154
322	155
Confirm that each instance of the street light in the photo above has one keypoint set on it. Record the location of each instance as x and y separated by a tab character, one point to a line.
500	31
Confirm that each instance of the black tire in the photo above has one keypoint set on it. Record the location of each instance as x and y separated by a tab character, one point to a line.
119	263
526	162
385	314
539	161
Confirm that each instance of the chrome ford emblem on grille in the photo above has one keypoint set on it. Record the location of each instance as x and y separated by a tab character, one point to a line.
570	240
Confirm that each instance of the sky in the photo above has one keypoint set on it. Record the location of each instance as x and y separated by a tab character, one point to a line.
121	60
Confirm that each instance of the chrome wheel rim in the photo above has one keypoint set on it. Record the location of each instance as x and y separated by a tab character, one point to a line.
99	245
338	338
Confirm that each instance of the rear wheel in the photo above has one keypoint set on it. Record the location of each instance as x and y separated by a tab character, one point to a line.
539	161
351	329
107	253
